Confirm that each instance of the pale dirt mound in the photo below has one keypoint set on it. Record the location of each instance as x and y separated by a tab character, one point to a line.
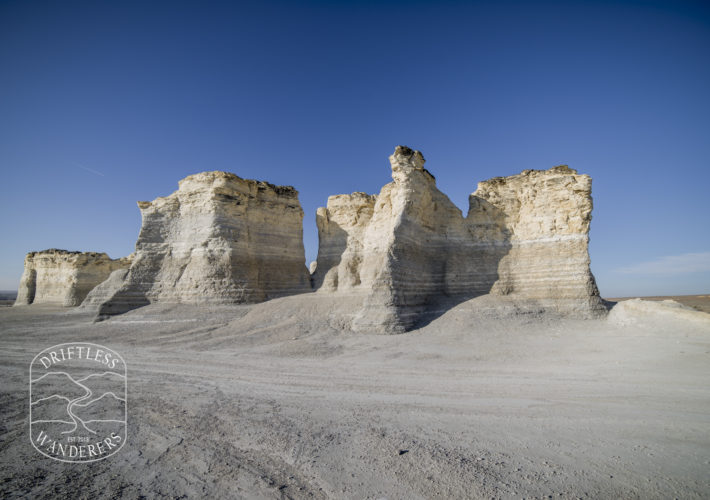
314	324
638	311
697	302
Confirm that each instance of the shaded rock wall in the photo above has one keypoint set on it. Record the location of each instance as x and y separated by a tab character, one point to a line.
341	228
415	236
63	277
218	239
105	290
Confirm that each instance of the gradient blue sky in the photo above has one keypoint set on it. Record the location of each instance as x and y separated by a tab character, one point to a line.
106	103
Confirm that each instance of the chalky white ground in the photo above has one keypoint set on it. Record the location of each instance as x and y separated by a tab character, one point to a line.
276	401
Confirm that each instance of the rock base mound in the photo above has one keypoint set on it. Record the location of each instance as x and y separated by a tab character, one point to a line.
650	312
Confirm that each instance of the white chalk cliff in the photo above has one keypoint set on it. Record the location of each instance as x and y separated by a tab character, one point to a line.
218	239
401	256
62	277
409	247
546	215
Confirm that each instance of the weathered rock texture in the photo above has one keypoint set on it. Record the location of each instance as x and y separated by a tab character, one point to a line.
546	214
218	239
341	231
63	277
409	247
104	291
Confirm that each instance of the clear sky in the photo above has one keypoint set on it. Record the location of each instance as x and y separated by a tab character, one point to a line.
106	103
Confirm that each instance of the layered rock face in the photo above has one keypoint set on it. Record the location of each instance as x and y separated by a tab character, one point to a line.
218	239
402	249
341	230
402	254
408	247
547	216
62	277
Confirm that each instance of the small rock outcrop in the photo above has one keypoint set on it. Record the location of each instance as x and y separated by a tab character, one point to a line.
63	277
409	247
218	239
644	313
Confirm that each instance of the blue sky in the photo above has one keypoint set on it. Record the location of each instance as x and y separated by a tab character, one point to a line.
106	103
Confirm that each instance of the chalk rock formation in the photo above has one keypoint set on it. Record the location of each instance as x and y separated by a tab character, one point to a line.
402	250
104	291
410	246
341	229
546	215
218	239
63	277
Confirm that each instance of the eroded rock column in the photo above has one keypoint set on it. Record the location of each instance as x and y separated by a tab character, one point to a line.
547	214
409	249
63	277
218	239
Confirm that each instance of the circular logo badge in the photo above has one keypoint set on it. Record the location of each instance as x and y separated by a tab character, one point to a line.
78	402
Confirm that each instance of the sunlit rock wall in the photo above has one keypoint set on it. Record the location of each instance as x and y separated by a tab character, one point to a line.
62	277
218	239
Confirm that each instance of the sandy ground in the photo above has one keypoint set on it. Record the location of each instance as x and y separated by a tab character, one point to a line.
251	402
